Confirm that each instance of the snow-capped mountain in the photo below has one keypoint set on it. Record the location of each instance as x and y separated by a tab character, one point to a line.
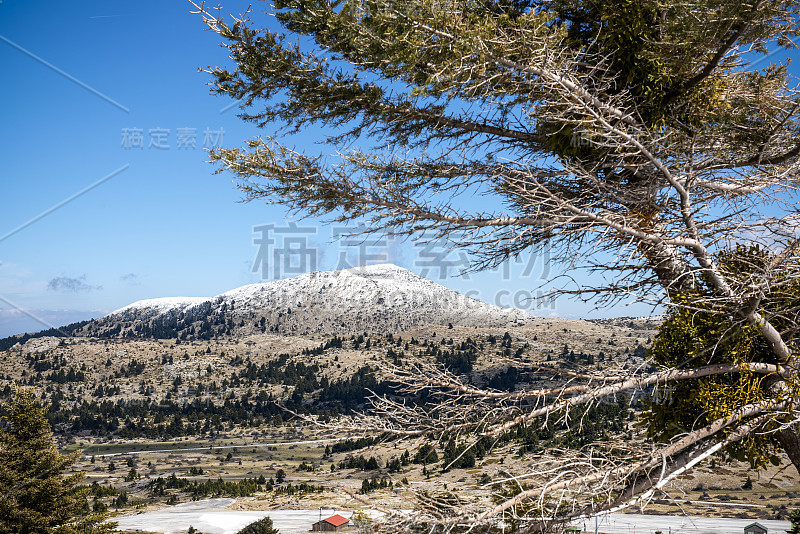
377	298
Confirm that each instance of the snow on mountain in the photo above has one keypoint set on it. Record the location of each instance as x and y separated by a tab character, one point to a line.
364	299
149	307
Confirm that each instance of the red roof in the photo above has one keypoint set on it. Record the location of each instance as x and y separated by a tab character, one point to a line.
337	520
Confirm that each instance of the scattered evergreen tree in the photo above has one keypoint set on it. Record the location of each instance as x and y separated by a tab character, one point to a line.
794	517
262	526
36	497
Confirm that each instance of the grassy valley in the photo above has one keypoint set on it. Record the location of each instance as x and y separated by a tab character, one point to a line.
163	421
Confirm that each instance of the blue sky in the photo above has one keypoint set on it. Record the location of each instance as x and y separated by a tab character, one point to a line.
107	195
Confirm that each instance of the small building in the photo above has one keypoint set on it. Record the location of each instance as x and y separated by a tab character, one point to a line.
755	528
332	524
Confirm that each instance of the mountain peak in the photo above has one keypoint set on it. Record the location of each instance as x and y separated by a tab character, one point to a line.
381	297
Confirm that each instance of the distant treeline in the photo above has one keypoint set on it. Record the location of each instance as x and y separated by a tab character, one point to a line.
226	488
205	488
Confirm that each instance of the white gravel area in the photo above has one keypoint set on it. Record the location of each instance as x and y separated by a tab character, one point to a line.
213	516
648	524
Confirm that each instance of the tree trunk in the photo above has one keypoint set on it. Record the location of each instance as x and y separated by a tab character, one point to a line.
789	440
672	272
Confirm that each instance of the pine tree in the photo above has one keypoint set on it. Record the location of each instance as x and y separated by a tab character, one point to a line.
36	498
637	144
262	526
